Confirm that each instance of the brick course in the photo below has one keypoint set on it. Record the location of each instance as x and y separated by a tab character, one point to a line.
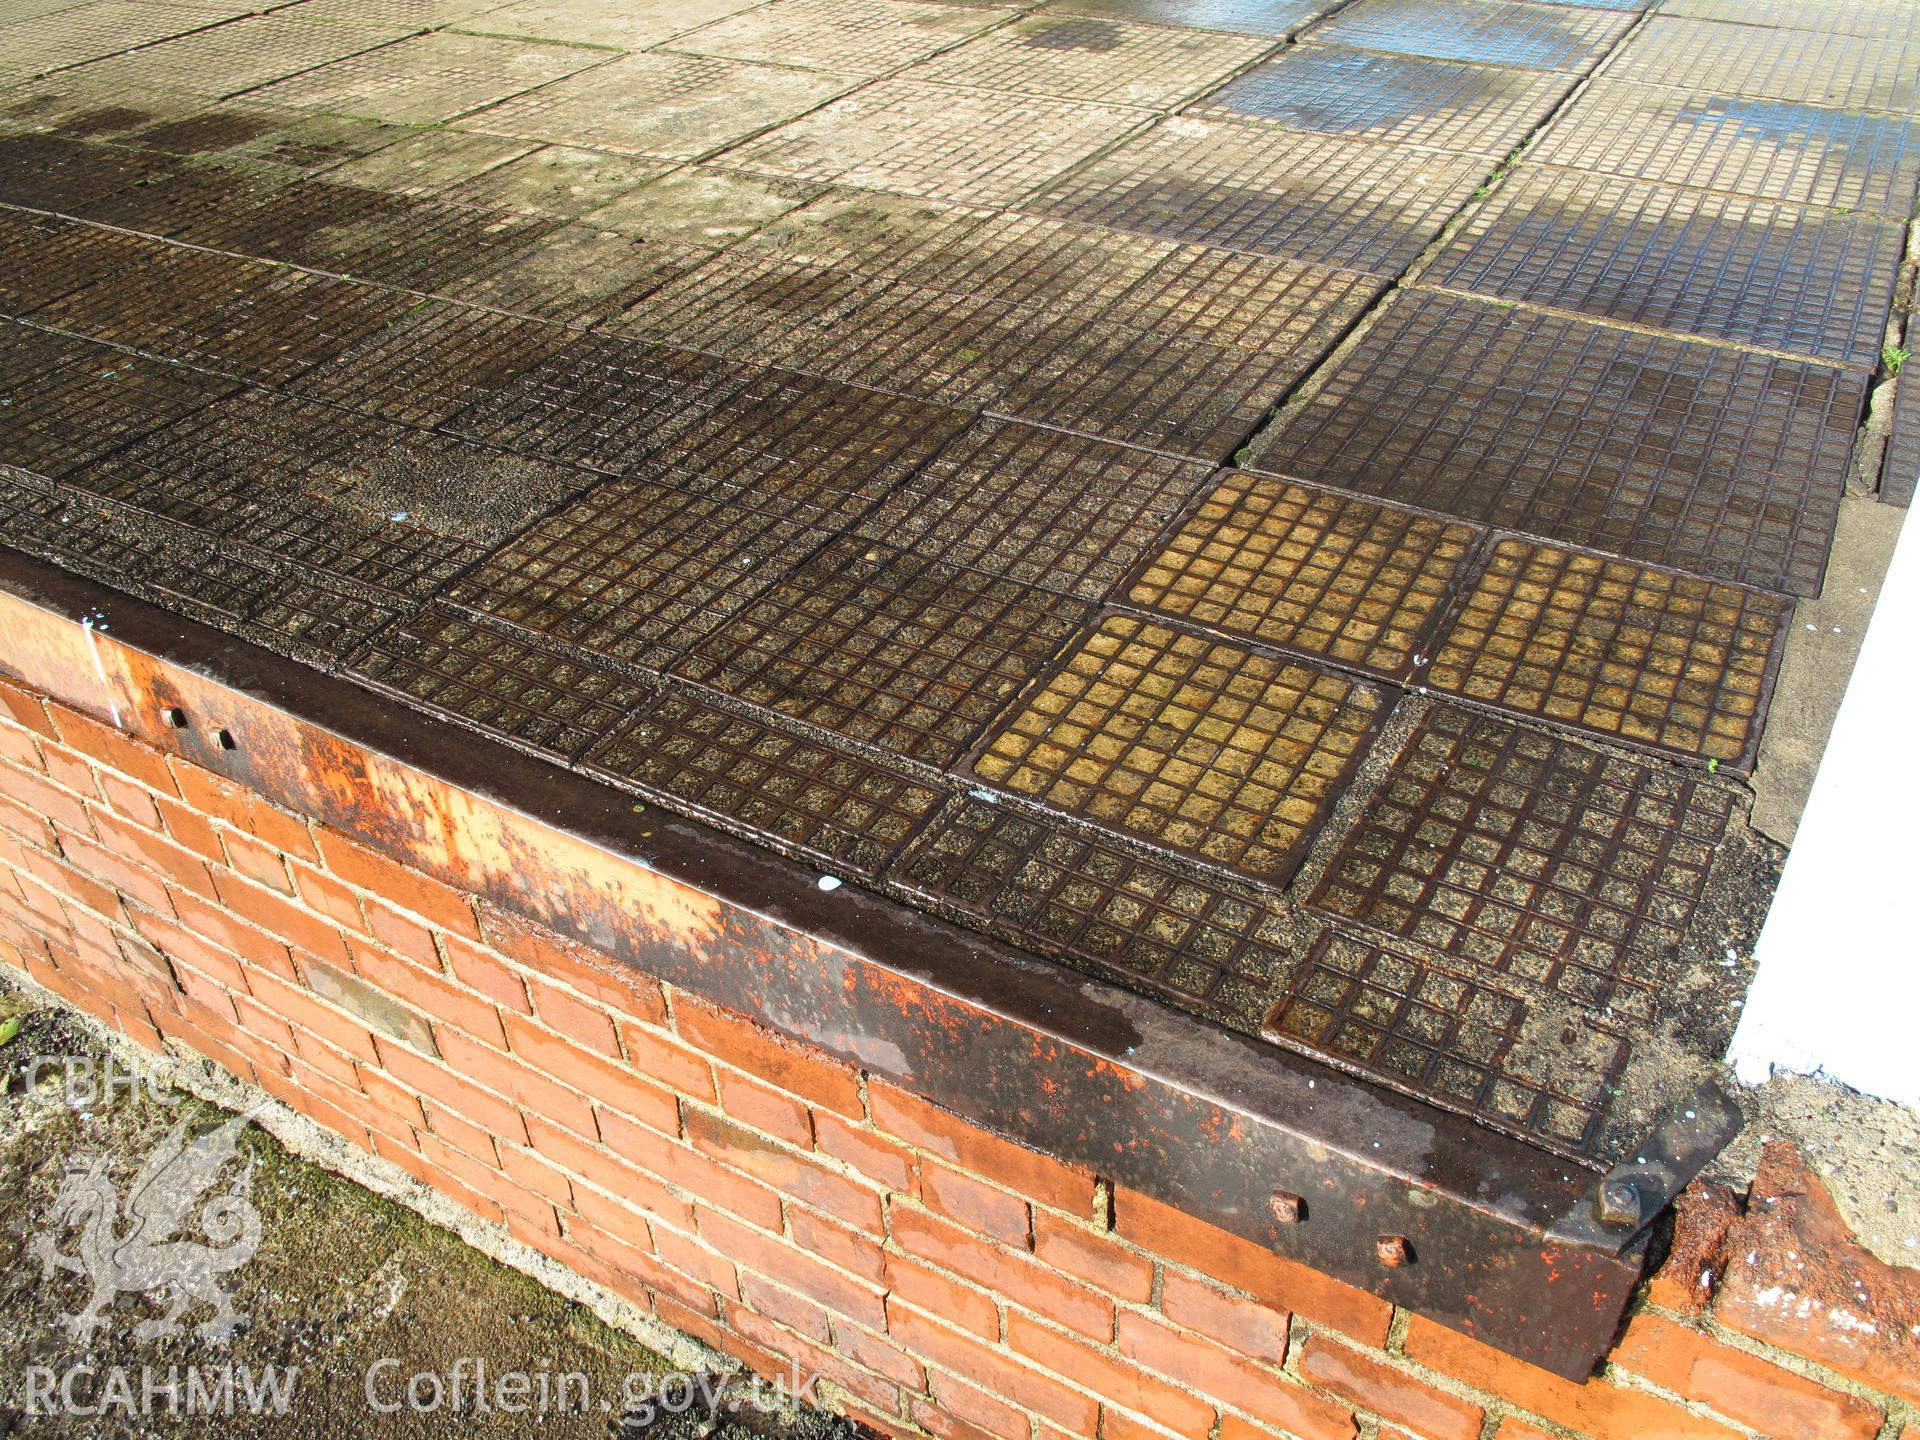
923	1273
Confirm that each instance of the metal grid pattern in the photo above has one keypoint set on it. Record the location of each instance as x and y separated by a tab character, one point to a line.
1487	32
959	144
1234	17
43	258
1650	657
677	107
312	621
1772	149
239	56
888	648
1396	99
432	363
1085	57
1249	187
580	274
1528	855
853	37
1188	743
64	401
634	571
243	317
503	683
1315	571
426	78
796	794
604	402
1810	281
1847	71
1044	507
1072	894
1670	451
802	448
1456	1040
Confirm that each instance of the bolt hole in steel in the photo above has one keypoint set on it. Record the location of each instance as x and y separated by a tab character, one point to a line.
1394	1251
176	717
1288	1208
226	740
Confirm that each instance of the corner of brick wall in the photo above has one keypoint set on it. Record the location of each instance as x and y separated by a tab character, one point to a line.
925	1276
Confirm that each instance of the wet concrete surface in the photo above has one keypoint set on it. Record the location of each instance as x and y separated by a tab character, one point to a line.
345	1297
1041	463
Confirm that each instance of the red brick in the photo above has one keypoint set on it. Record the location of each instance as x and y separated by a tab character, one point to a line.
1283	1283
872	1154
610	1216
281	918
619	987
976	1205
479	970
256	1019
1231	1379
596	1164
367	869
1039	1177
1740	1386
106	867
687	1169
1514	1428
844	1246
261	864
320	891
584	1024
232	935
1602	1411
455	1092
774	1258
592	1076
793	1311
42	797
341	1031
739	1042
191	829
70	883
536	1174
1254	1329
112	748
766	1109
1115	1380
667	1061
1094	1257
428	992
697	1260
397	1101
400	933
879	1355
130	801
1390	1393
1017	1276
25	708
1003	1374
538	1094
788	1171
986	1414
70	771
235	805
952	1300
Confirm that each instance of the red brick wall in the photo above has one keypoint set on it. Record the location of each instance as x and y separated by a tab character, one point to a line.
926	1275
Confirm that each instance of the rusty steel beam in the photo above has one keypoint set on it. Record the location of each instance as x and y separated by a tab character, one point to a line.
1397	1197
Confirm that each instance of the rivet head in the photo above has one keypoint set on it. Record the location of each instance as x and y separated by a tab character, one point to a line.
1394	1251
1618	1203
1288	1208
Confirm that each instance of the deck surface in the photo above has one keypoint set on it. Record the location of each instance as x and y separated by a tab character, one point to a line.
1292	507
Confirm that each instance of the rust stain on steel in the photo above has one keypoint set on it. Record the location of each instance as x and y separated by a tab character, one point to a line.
1209	1121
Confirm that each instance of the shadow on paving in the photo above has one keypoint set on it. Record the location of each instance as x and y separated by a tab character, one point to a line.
343	1285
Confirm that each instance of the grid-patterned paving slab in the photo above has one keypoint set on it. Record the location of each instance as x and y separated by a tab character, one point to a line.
1900	468
797	794
635	571
603	401
1071	893
1894	18
1652	657
580	274
973	146
1268	309
47	172
1044	507
1847	71
43	257
1400	99
1249	187
231	58
619	24
678	107
1671	451
32	45
65	401
432	363
1532	856
184	201
1487	32
888	648
1492	1050
1086	57
1316	571
852	37
1234	17
1773	149
802	448
1187	743
1811	281
427	78
501	682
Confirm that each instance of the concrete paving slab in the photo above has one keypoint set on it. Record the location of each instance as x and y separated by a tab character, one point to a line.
1846	71
1486	32
851	37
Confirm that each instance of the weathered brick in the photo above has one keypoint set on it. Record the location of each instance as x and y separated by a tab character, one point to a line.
1388	1392
687	1169
619	987
1740	1386
878	1354
604	1081
585	1025
1018	1276
1231	1379
1256	1330
1094	1257
796	1312
976	1205
1701	1218
319	891
666	1060
481	970
1117	1381
786	1170
766	1109
852	1250
737	1041
539	1094
427	991
367	869
1284	1283
131	802
772	1257
259	863
594	1163
113	748
926	1126
492	1113
370	1004
400	933
982	1413
41	796
235	805
25	708
1008	1376
955	1301
281	918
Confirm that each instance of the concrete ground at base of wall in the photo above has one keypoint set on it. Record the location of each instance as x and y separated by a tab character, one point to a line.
1820	654
347	1287
1866	1150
